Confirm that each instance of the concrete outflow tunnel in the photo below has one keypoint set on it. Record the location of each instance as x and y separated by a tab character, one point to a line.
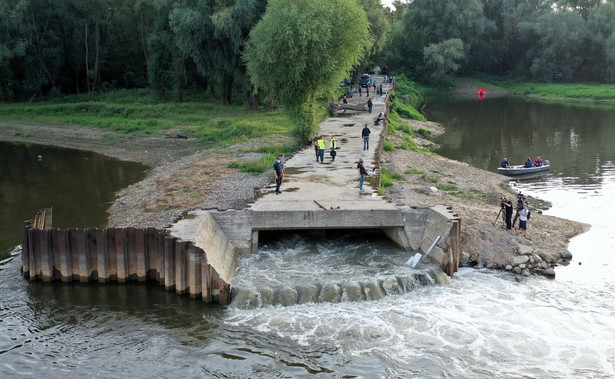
225	235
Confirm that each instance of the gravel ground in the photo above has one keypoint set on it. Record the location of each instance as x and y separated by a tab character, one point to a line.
477	201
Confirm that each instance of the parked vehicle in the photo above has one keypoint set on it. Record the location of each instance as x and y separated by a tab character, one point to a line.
365	80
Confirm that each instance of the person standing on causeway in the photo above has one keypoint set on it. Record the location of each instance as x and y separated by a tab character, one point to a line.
278	173
362	174
365	133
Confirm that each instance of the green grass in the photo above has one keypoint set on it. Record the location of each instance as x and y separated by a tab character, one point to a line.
397	177
413	170
447	187
471	194
138	112
386	179
589	91
389	146
259	166
430	178
424	132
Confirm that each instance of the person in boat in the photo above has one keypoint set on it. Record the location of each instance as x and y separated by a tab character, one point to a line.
528	163
504	163
538	162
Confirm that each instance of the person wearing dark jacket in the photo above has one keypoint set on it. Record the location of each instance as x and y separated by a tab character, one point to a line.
362	174
365	134
508	211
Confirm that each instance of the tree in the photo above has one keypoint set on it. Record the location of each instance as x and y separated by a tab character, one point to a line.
303	47
444	58
558	46
11	49
213	35
441	21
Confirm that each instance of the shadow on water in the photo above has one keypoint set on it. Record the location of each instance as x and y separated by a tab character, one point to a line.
326	266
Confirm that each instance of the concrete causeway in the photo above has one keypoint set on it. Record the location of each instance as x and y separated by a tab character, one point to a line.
334	184
199	254
322	196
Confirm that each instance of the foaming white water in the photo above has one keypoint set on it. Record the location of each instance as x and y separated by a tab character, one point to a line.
483	324
296	269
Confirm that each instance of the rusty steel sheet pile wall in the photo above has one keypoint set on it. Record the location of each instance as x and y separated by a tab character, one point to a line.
120	255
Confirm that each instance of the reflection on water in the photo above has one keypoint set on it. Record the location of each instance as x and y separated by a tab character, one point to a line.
576	140
591	203
79	185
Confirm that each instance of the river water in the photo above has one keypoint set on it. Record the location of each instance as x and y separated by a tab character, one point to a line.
485	324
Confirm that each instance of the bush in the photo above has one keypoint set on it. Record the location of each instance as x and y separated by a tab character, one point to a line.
389	146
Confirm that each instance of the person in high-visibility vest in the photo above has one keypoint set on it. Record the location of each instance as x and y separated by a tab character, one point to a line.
333	146
321	149
333	143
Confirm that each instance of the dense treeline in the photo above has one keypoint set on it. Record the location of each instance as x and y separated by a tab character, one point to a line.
565	40
55	47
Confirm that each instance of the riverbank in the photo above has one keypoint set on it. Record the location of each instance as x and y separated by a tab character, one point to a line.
183	177
428	179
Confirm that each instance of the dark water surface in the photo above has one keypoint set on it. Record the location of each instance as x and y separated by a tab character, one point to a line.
78	185
575	139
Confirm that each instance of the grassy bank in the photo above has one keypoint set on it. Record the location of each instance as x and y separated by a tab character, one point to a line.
568	91
137	112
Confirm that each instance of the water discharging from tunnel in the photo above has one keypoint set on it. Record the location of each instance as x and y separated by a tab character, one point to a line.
292	268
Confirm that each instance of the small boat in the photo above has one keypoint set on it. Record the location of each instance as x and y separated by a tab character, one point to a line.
520	170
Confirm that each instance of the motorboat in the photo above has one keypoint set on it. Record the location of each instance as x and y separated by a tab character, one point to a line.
522	170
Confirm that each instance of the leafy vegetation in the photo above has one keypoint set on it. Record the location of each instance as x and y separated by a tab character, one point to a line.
413	170
388	145
313	55
385	178
593	91
138	112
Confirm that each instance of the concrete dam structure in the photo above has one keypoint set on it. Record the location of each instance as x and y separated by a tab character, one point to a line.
199	254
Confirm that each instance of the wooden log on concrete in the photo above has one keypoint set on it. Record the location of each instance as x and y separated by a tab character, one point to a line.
92	251
206	281
160	261
79	249
74	254
43	252
131	253
31	256
25	248
55	256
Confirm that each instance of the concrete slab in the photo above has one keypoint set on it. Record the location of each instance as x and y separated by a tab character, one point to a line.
334	183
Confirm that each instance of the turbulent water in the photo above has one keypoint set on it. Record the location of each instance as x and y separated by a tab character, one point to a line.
484	324
296	270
